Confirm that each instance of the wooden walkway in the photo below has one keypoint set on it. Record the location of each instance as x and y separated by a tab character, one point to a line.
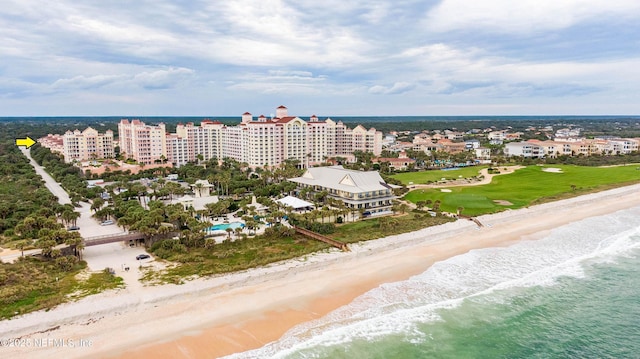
111	238
320	237
473	219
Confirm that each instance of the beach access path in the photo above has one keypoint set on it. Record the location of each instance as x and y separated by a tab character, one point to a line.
211	317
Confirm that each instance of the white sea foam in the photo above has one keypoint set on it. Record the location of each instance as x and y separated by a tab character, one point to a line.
397	308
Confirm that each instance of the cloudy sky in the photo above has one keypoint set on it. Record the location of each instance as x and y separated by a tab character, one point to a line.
330	57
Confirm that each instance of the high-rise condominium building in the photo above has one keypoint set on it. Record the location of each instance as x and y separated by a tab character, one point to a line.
257	141
144	143
87	145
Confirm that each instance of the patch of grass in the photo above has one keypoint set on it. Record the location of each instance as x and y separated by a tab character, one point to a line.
97	283
231	256
32	284
424	177
528	186
371	229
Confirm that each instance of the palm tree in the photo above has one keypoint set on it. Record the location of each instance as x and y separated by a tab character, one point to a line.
403	208
436	205
21	245
76	243
198	188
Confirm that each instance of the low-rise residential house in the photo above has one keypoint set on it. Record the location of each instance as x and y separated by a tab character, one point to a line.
388	140
359	190
524	149
497	135
608	145
450	146
401	163
453	135
584	148
423	143
483	153
574	148
513	136
551	149
401	146
55	143
472	144
568	132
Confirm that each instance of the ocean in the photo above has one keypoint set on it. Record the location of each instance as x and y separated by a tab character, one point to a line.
573	294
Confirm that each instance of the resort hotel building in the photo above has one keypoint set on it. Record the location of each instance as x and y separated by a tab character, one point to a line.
257	141
365	191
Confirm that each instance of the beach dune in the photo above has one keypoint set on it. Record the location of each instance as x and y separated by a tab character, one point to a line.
217	316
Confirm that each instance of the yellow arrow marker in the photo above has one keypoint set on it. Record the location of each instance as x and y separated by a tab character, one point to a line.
28	142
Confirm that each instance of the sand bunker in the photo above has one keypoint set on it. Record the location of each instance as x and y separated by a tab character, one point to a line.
502	202
552	170
445	190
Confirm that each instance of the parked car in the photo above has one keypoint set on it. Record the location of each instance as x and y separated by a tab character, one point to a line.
142	256
106	223
73	228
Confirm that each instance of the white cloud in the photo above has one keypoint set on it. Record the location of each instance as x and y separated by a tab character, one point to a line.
290	82
162	79
294	73
396	88
86	82
524	16
155	79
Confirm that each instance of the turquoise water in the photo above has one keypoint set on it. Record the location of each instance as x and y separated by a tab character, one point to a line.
572	294
224	226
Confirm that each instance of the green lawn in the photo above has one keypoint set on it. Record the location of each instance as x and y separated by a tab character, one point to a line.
528	186
425	177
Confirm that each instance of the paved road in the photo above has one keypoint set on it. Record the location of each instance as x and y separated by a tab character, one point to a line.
114	255
89	226
49	182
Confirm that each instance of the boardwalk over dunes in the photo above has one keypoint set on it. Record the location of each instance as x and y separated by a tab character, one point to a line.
314	235
111	238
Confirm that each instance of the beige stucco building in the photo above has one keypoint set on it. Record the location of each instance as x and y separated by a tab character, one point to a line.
87	145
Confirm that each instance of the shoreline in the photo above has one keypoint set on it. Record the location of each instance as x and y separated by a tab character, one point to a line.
245	310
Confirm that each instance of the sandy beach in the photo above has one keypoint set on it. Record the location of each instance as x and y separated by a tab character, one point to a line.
216	316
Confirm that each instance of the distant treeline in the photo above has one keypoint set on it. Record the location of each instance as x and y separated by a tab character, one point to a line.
625	126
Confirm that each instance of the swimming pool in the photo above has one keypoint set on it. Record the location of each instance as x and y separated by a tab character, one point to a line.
224	226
